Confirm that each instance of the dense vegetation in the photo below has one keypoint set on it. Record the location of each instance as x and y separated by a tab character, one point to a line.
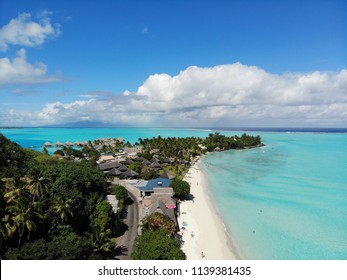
55	209
52	209
181	188
185	148
157	240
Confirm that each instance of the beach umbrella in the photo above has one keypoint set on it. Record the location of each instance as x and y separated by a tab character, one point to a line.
171	206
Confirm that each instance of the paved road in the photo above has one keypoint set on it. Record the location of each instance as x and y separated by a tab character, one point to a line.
132	220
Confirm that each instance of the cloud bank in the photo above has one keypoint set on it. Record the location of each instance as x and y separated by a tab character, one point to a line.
25	32
224	95
19	71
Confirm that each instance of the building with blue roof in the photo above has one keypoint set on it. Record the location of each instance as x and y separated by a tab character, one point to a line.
156	183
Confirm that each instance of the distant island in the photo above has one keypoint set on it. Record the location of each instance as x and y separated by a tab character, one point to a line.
84	124
11	127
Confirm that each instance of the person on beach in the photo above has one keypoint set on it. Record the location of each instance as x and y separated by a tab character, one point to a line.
202	255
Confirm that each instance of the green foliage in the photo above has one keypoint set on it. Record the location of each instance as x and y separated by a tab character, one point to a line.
158	221
12	158
136	166
157	245
120	192
103	217
181	188
59	152
151	174
49	206
68	151
67	247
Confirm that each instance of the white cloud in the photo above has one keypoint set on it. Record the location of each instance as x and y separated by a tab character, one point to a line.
19	71
25	32
224	95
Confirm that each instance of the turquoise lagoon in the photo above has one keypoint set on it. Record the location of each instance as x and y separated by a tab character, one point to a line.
287	200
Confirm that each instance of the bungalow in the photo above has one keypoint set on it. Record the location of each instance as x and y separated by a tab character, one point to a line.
106	166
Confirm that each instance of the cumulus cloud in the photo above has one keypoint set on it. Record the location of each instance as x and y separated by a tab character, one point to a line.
224	95
23	31
19	71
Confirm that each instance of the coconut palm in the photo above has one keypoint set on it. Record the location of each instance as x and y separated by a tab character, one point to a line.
103	243
38	185
14	191
63	208
24	217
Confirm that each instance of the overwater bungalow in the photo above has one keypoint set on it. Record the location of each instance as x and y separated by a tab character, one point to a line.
59	144
47	144
68	144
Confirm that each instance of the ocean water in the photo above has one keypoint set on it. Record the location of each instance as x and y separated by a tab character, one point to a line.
286	200
35	137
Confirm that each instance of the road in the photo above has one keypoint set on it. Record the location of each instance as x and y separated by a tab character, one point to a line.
127	240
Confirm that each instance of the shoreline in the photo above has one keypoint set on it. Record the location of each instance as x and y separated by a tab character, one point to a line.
203	232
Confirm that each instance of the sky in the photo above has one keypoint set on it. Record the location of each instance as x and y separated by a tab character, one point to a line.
183	63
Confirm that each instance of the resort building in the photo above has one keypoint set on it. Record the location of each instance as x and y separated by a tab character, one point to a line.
157	197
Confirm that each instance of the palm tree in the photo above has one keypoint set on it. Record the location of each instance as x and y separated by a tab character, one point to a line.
63	208
15	191
38	185
103	243
24	217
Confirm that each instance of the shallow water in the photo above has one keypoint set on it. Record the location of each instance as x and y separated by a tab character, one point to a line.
287	200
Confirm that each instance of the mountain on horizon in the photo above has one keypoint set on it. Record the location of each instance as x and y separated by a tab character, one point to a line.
85	124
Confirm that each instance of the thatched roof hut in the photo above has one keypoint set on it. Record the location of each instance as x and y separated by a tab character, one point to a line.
68	143
147	162
122	168
167	175
114	172
47	144
156	165
109	165
140	159
127	162
58	144
130	173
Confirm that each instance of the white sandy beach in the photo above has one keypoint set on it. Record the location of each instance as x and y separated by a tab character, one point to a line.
203	232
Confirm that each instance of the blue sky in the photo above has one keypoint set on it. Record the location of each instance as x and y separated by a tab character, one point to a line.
174	63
